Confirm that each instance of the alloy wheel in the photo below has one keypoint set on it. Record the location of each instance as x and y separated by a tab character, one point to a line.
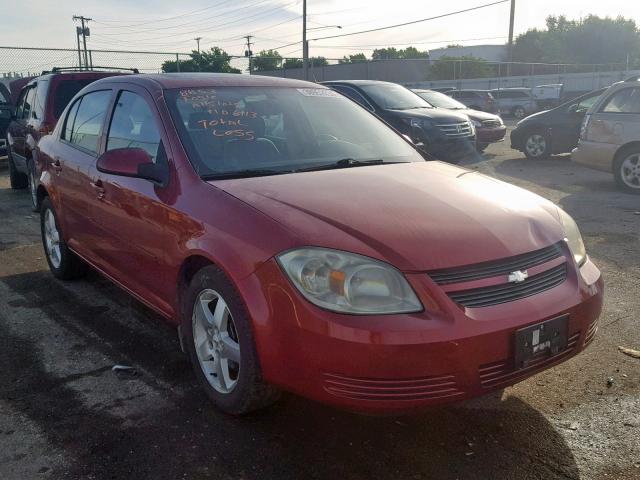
52	239
536	145
216	341
630	171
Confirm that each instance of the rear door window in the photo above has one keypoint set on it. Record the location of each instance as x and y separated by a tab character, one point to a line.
28	103
41	98
65	90
89	120
133	125
626	100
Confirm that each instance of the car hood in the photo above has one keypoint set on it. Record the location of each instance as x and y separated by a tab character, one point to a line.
416	216
534	117
478	115
440	114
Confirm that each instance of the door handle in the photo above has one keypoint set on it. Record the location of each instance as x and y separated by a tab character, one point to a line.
97	186
57	166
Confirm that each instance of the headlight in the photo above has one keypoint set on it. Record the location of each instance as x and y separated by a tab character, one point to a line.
348	283
476	123
573	238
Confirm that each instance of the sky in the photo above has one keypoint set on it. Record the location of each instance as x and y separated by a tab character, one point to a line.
170	26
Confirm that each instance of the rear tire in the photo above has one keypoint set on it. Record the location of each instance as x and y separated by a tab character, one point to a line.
537	145
63	263
626	170
17	180
218	335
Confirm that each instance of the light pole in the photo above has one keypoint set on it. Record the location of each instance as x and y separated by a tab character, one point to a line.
305	42
197	39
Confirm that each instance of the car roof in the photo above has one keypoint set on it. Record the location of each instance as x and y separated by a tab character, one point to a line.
357	82
472	90
195	80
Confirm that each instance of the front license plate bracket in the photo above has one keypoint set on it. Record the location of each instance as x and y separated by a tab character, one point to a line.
542	340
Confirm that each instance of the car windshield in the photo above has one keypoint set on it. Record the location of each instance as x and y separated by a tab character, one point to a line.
247	131
441	100
394	97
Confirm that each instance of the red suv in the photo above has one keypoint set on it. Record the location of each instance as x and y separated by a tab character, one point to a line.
297	242
38	108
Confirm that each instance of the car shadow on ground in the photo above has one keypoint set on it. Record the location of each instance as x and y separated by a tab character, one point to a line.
295	439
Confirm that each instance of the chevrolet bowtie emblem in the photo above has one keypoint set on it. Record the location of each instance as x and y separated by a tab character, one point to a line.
517	276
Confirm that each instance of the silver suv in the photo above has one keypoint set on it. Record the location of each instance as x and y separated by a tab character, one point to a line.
518	102
610	135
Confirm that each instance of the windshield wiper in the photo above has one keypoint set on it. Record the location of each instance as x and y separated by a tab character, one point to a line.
258	172
344	163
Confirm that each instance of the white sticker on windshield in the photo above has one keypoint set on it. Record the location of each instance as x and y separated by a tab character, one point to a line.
318	92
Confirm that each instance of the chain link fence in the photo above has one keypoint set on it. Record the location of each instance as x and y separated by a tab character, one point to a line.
424	72
26	61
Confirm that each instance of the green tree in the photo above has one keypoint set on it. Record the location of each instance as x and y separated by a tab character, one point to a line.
266	60
355	58
385	53
214	60
450	68
392	52
292	63
413	52
591	39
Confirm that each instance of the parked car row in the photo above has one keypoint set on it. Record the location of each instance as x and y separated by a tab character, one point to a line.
299	243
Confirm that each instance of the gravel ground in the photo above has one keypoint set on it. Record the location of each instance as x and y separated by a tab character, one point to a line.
65	414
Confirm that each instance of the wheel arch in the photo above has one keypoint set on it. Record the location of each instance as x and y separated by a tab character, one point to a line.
623	148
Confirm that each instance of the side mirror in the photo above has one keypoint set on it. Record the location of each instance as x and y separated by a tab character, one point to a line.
132	162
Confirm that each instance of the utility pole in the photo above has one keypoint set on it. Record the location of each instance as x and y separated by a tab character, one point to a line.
78	33
305	45
197	39
511	19
248	53
85	33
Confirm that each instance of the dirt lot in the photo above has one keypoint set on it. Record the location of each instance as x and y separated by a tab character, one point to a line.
65	414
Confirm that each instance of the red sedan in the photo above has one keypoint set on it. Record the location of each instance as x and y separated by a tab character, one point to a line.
299	243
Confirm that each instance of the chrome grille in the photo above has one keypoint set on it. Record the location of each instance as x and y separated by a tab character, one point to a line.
508	292
494	268
456	130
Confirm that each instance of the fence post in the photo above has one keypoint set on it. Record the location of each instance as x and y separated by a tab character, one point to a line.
178	62
90	60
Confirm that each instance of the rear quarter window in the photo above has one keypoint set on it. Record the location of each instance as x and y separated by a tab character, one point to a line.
64	91
626	100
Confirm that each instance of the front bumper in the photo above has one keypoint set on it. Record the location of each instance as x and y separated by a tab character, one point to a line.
490	135
596	155
400	363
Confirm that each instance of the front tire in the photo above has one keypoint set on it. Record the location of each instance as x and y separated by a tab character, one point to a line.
626	170
17	180
537	146
63	263
218	336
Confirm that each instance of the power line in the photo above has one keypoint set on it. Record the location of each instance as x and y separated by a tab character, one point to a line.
190	23
413	21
